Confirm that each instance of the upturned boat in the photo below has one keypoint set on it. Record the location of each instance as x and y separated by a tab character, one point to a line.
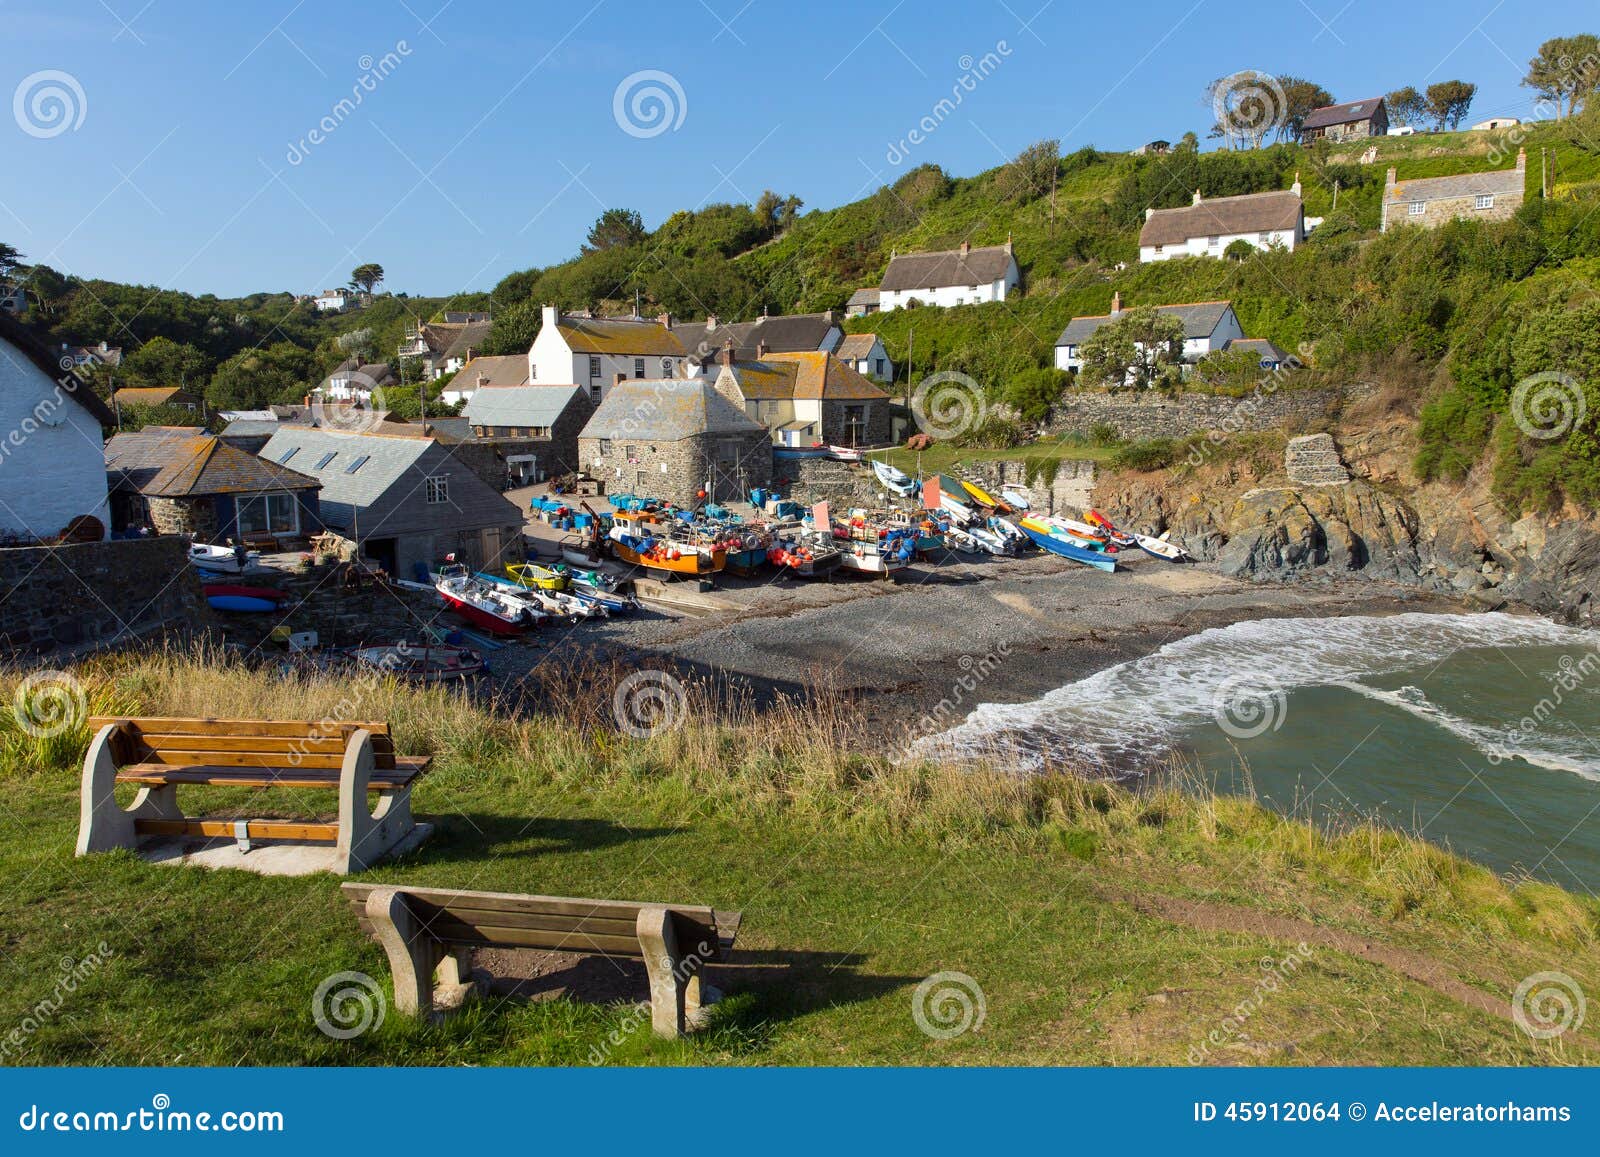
531	574
1059	545
422	662
893	479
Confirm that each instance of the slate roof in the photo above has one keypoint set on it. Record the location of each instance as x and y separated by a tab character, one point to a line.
785	333
175	462
667	410
519	405
856	346
1499	182
616	335
503	370
1199	318
20	341
1343	114
979	266
863	297
461	317
1261	347
1249	213
468	337
768	381
250	428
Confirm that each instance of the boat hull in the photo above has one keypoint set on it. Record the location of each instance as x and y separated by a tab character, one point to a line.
1065	549
479	617
242	604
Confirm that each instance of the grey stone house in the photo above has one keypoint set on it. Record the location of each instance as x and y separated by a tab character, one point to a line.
672	438
402	497
533	429
1431	201
1352	121
805	398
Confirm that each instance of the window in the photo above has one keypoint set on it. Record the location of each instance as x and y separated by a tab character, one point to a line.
1417	208
877	366
594	366
323	461
638	367
1264	238
288	454
1213	242
667	368
1160	249
1484	201
357	464
594	392
605	446
533	372
268	514
438	488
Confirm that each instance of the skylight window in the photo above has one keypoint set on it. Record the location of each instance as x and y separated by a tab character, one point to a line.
323	461
357	464
288	454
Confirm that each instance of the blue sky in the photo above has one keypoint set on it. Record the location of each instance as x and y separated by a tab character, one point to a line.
492	139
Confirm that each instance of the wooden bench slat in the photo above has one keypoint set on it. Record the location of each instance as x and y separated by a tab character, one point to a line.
155	775
548	939
437	919
334	744
258	829
518	902
289	728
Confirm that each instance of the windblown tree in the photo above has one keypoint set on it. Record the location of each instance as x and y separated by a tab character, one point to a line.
1032	172
366	277
1448	102
615	229
1407	106
1142	348
1566	70
1300	97
10	259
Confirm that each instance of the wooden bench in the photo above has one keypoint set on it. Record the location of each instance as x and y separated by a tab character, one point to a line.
162	754
428	930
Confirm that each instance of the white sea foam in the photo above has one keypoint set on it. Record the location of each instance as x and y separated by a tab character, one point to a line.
1118	718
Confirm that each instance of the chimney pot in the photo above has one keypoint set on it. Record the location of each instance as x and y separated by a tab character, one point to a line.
725	354
711	321
1196	197
1116	303
966	248
1149	213
665	320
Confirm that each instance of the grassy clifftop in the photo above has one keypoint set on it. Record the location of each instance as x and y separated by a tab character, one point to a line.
1099	925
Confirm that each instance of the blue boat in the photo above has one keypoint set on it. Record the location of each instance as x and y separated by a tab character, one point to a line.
241	604
1067	550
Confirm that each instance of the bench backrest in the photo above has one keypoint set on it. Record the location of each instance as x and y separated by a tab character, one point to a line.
554	923
241	742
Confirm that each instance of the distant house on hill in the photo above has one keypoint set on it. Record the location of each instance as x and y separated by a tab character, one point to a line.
594	352
1493	124
355	381
51	467
1351	121
1432	201
1206	228
964	276
181	482
332	300
100	354
861	303
402	497
156	396
783	333
534	429
865	353
1208	326
444	347
672	438
806	397
12	298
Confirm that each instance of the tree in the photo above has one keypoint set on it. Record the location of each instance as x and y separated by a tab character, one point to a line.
614	229
1141	348
1406	106
1300	97
255	378
1033	171
1034	391
163	362
788	211
1566	69
767	206
9	259
1448	102
1188	143
366	277
1239	250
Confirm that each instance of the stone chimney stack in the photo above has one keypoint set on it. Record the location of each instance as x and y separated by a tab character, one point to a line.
1295	188
1389	180
549	316
1149	213
620	379
1116	303
725	354
666	320
1008	243
761	348
966	248
711	322
1196	200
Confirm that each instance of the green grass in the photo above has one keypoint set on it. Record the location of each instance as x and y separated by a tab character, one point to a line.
942	456
857	878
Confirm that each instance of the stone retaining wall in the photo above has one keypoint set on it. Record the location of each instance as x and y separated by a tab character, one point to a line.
845	484
1138	417
96	593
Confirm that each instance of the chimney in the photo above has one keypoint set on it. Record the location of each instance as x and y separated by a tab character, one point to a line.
620	379
966	248
829	317
1116	303
725	354
1196	200
665	320
1008	243
1522	160
549	316
761	348
1149	213
711	322
1389	180
483	379
1295	188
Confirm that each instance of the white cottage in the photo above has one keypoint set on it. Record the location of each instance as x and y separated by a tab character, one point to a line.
1208	326
593	352
1206	228
52	458
964	276
865	353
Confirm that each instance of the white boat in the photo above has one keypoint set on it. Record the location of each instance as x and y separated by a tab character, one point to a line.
894	480
959	511
872	558
223	559
483	605
1010	536
1016	498
549	604
1161	548
842	453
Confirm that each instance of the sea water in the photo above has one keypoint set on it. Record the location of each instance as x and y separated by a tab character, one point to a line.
1479	732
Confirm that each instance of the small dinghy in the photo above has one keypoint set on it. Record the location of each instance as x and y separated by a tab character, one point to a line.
1058	545
1016	498
223	559
269	594
242	604
1154	547
422	662
531	574
894	480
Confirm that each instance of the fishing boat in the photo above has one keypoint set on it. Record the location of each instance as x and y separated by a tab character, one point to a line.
746	547
581	550
1058	545
531	574
553	604
981	496
869	549
225	559
893	479
659	553
482	605
269	594
809	555
927	527
1157	547
422	662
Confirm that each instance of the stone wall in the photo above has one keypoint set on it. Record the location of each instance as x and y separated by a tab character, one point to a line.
678	470
96	593
1157	414
846	484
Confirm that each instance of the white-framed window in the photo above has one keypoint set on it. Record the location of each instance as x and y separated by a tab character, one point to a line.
1417	208
269	514
638	367
595	392
594	366
1160	249
1484	201
605	446
1264	238
1213	242
438	488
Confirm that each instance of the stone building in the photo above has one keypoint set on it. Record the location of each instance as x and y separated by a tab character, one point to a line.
805	398
1352	121
1431	201
176	481
672	438
533	429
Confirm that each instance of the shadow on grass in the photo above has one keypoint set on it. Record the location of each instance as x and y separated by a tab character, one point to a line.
464	837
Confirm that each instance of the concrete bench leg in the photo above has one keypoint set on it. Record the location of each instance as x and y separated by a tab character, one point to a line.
102	824
412	952
676	993
366	835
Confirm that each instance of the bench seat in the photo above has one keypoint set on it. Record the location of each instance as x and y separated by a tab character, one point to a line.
406	771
